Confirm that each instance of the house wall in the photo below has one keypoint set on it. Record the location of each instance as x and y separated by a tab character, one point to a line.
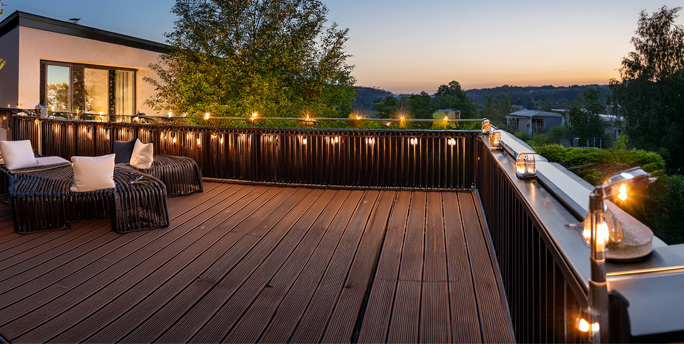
36	45
9	51
550	122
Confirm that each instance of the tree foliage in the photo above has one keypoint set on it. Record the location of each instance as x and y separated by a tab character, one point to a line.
276	57
649	95
452	96
584	118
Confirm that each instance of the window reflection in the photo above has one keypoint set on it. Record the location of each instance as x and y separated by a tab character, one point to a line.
96	90
58	87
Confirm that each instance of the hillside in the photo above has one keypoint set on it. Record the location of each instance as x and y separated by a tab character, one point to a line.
535	97
366	96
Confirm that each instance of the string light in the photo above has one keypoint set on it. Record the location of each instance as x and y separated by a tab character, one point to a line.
451	142
414	141
370	140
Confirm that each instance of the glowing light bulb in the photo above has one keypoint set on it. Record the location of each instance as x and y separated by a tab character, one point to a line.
221	140
255	114
206	116
304	141
623	192
584	326
174	139
451	142
170	114
446	118
587	234
336	139
602	233
199	142
370	140
414	141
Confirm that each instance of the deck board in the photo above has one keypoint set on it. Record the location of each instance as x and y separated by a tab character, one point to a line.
244	263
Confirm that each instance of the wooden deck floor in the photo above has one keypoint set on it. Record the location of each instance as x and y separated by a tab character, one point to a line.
243	263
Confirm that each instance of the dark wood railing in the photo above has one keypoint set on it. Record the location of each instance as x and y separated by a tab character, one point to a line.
349	157
545	295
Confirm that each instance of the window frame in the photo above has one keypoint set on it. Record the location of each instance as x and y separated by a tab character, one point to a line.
44	83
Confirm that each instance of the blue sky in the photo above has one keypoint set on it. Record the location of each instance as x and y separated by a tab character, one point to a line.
407	46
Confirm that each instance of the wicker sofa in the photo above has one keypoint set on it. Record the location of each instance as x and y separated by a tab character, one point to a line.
41	200
181	175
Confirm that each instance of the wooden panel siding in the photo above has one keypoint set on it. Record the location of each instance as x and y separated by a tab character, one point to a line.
246	263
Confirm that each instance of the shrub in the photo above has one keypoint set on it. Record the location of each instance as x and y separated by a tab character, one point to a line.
521	135
663	209
592	176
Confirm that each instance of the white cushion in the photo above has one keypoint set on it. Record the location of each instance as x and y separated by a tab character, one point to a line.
142	156
93	173
51	160
17	154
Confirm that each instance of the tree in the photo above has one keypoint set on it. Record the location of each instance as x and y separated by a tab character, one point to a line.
420	105
2	10
387	107
451	96
497	110
276	57
584	118
649	94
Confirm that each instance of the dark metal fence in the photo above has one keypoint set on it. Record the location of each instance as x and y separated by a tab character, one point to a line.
382	158
544	295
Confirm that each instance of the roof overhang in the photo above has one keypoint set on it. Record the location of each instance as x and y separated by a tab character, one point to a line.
33	21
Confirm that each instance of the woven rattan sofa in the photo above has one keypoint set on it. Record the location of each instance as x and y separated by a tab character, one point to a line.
41	200
181	175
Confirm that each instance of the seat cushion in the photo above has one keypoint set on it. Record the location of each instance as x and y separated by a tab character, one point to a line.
143	155
93	173
123	151
17	154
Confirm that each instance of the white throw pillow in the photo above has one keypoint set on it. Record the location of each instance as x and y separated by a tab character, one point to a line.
142	156
93	173
17	154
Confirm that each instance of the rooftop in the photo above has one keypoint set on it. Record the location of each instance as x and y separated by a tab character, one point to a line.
34	21
534	113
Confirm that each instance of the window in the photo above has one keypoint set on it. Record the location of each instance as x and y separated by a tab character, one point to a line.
89	89
58	88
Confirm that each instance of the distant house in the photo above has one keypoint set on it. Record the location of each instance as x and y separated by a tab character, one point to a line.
613	124
74	68
532	121
452	114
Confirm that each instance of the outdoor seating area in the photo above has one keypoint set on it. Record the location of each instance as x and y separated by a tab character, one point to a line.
246	263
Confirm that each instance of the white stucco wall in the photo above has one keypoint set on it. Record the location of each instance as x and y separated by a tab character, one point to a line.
9	51
36	45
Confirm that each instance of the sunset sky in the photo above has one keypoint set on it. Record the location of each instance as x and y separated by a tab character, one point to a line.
407	46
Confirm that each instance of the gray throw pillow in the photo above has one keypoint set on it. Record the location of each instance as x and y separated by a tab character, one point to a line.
123	151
